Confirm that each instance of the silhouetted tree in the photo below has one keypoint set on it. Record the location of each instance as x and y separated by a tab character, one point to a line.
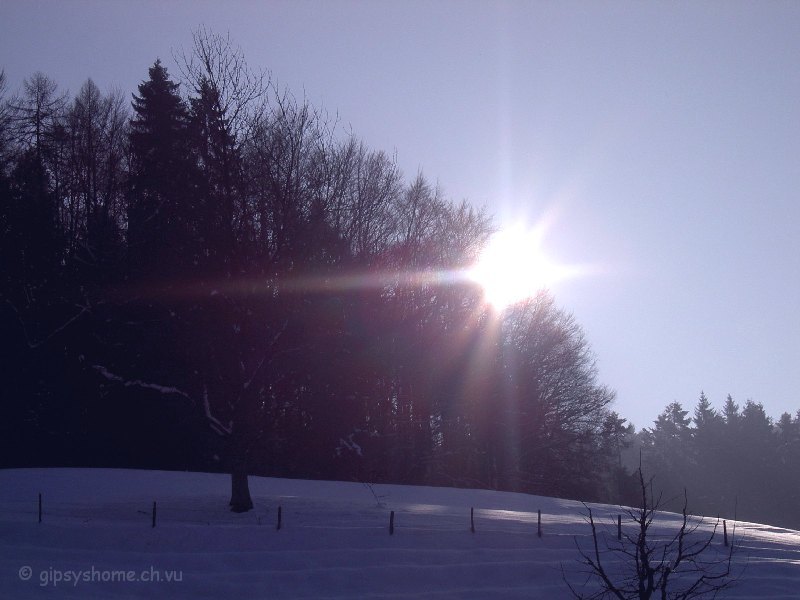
614	438
5	125
227	100
667	450
35	116
730	413
788	450
646	564
758	479
93	195
161	197
554	404
706	475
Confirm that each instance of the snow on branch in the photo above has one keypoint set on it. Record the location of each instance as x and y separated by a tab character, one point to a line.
215	423
349	444
218	427
163	389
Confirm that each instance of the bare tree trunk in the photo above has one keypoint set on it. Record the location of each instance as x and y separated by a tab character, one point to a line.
240	490
240	486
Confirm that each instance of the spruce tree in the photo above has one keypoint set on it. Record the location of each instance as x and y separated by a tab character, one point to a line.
709	461
668	455
161	182
705	415
218	157
731	413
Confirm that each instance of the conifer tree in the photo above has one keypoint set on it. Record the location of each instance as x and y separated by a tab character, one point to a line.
708	460
705	415
730	413
668	449
161	182
218	157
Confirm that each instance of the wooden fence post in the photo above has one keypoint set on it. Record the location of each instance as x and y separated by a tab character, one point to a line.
619	527
539	523
40	507
472	519
154	513
280	515
391	523
725	533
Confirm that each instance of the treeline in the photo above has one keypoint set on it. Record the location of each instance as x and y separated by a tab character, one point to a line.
733	461
213	276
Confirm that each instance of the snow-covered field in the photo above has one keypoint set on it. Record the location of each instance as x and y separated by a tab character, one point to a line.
96	540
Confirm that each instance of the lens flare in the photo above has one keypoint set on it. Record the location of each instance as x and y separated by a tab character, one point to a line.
514	267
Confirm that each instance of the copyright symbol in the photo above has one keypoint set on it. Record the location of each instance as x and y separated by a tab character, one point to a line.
25	573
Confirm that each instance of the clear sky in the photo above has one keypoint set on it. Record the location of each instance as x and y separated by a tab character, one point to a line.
662	139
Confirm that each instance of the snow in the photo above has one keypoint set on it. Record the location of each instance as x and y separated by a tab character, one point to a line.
350	444
334	540
163	389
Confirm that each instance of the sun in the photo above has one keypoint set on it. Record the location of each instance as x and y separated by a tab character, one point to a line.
513	267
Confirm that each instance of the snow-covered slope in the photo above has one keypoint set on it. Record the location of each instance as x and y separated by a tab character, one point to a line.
96	540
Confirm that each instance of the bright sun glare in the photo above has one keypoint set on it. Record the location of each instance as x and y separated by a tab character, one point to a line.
513	267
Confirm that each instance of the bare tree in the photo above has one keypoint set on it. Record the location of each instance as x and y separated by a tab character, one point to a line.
377	187
91	203
5	120
215	63
34	116
286	143
644	565
554	404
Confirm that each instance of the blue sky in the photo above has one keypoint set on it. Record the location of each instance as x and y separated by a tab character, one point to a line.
662	138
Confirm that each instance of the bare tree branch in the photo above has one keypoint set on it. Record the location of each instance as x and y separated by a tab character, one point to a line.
36	344
680	568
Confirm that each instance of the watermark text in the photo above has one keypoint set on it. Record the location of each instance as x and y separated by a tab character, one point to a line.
53	577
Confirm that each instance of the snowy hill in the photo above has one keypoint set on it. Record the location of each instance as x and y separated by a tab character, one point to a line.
96	540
